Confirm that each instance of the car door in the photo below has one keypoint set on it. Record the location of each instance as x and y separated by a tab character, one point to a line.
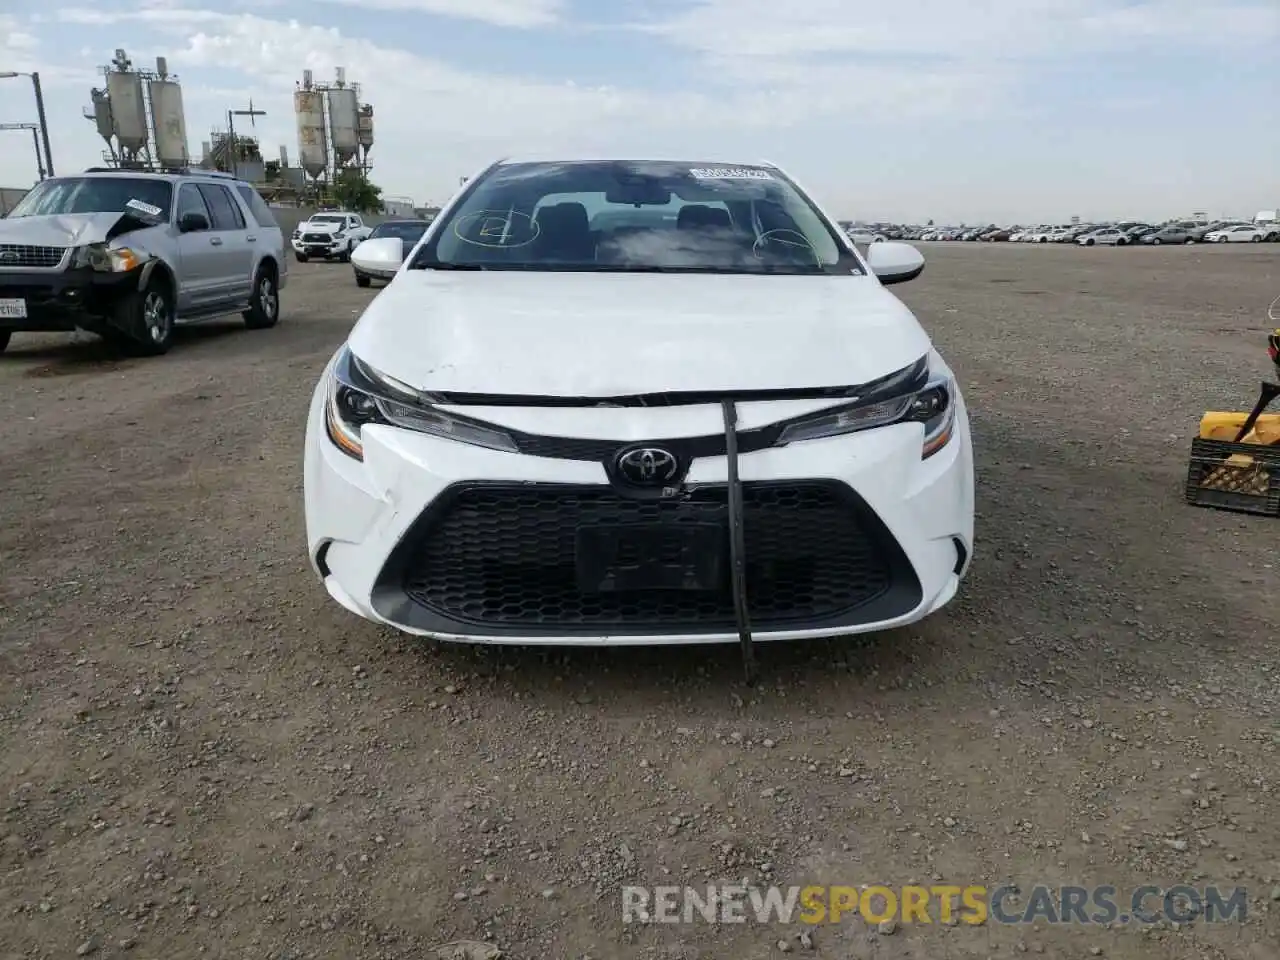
198	253
229	235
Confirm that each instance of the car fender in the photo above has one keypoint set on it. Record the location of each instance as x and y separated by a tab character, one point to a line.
149	268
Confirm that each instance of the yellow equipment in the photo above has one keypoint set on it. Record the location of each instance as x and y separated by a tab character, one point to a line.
1226	426
1235	460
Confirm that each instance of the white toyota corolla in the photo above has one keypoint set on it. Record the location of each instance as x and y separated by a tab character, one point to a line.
608	402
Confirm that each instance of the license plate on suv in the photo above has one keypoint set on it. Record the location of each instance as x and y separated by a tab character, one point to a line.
13	309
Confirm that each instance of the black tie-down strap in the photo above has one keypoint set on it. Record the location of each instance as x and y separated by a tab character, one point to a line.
737	542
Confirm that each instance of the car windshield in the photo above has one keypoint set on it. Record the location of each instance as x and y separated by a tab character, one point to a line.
637	217
108	194
410	230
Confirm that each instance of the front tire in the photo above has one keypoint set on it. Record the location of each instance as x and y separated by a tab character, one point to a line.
1190	240
147	317
362	281
1255	239
264	309
4	340
301	257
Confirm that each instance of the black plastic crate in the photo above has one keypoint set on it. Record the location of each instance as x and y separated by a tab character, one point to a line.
1252	487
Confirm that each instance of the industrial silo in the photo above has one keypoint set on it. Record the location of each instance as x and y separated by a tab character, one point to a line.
128	112
308	105
102	115
169	124
344	121
364	128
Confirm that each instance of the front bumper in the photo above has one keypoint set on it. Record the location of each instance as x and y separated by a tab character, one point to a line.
319	248
369	522
66	300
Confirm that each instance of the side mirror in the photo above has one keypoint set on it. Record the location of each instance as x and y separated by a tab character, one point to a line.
192	223
381	255
894	262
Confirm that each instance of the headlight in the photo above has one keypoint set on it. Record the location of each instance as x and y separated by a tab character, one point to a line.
932	404
358	396
99	257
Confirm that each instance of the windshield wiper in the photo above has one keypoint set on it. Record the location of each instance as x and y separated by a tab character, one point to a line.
436	265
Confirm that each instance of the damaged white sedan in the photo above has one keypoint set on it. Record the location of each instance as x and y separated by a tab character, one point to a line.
637	402
130	255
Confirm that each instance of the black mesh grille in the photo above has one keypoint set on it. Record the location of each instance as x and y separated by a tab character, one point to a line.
26	255
504	556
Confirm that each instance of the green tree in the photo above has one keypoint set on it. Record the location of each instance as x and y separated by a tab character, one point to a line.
352	191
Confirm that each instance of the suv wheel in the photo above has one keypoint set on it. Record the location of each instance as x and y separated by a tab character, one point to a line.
4	340
301	257
264	308
147	317
1190	240
345	255
362	280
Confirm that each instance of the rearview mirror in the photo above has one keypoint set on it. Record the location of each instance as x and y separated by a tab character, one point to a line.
895	262
381	255
192	223
638	192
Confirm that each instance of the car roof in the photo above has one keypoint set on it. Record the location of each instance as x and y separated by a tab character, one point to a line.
634	158
166	177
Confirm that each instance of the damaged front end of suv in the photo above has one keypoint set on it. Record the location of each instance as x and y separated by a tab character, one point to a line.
103	271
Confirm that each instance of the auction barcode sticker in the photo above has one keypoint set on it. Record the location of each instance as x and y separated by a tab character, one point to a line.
729	173
144	207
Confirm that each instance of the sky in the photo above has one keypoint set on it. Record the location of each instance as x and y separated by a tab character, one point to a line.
950	110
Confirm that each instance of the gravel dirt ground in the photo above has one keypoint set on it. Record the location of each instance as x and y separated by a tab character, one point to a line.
201	754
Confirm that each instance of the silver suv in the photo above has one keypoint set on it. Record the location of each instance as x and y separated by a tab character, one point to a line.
130	255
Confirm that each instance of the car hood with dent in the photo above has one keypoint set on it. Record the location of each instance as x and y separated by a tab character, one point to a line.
616	334
68	229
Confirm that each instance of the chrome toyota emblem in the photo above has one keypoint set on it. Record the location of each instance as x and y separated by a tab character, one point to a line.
9	255
648	466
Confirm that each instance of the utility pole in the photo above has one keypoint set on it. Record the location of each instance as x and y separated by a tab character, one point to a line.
44	124
35	141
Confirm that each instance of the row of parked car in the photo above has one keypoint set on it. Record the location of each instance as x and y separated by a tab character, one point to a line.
1124	233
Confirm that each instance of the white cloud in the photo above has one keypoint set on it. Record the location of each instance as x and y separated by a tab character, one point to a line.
501	13
1005	29
16	44
434	121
